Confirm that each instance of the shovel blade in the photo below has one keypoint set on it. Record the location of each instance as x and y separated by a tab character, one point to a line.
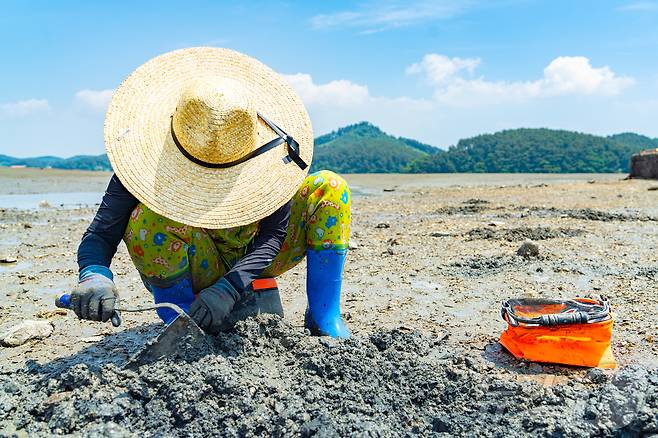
179	335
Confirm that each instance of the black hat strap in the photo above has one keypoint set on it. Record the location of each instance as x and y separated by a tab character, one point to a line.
291	144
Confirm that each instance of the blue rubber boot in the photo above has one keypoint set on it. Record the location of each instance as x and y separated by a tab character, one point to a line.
179	293
324	269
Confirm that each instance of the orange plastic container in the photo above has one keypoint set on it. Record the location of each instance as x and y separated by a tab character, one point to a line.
570	332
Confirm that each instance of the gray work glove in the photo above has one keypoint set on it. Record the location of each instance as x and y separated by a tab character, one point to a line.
213	305
94	298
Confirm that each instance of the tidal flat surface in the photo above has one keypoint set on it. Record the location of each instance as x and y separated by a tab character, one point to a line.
433	256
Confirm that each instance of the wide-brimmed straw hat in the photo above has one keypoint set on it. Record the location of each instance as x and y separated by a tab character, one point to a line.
208	137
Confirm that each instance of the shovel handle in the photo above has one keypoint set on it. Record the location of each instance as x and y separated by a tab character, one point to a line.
64	302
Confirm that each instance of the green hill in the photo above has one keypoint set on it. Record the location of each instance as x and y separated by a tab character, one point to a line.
78	162
536	150
635	140
364	148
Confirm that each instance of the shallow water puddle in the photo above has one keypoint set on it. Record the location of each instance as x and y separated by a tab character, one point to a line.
60	200
13	267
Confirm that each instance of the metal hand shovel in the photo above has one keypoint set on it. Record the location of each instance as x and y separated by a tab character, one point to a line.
181	331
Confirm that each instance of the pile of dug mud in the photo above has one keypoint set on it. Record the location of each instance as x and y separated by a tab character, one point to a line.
522	233
269	378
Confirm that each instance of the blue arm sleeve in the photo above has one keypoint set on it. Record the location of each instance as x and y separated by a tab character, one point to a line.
262	250
100	241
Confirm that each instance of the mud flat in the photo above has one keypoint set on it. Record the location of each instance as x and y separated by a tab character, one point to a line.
433	260
268	378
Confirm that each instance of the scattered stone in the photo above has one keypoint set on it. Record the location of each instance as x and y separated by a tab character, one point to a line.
382	225
388	190
44	204
353	244
8	259
440	234
652	188
496	223
528	249
25	331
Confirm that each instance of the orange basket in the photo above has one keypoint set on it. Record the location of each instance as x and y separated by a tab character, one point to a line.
570	332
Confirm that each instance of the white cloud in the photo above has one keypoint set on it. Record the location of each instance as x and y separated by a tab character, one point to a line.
440	69
24	108
575	75
453	81
383	15
567	94
96	99
641	6
336	93
341	102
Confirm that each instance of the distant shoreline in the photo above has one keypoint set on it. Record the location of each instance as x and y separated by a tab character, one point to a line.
29	181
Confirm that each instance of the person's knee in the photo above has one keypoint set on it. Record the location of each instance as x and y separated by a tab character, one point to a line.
332	188
328	178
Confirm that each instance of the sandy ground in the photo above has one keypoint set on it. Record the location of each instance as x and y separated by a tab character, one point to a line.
434	253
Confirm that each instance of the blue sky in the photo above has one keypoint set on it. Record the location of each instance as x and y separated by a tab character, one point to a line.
436	70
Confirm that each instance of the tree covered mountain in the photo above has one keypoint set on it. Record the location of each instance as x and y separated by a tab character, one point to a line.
536	150
635	140
364	148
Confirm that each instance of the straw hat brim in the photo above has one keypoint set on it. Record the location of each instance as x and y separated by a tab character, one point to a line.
145	158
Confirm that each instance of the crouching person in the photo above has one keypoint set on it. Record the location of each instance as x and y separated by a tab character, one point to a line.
211	195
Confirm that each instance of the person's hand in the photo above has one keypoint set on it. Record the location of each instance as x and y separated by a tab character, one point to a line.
94	298
213	305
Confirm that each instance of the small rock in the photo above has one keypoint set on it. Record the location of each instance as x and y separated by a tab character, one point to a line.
353	245
496	224
25	331
382	225
91	339
388	190
8	259
440	234
652	188
528	249
596	375
47	314
44	204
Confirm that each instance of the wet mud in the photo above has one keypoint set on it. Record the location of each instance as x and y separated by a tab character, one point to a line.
421	295
588	214
483	266
522	233
269	378
461	209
